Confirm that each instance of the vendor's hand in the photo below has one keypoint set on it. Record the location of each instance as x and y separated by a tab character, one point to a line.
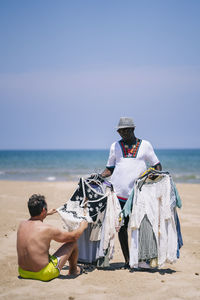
96	176
152	176
51	212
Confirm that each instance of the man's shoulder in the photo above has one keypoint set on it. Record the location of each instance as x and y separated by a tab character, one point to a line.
113	145
22	224
145	142
47	231
46	226
49	228
35	226
147	147
117	143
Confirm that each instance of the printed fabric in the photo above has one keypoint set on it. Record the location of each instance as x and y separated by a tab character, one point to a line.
87	203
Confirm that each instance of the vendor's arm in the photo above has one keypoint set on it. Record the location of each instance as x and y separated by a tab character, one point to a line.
107	172
110	166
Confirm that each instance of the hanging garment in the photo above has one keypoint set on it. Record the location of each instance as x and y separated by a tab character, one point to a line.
85	204
147	241
153	203
95	201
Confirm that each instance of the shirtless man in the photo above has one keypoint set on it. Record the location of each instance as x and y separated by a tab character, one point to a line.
33	243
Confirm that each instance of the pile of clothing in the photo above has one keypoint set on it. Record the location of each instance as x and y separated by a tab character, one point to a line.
153	220
94	201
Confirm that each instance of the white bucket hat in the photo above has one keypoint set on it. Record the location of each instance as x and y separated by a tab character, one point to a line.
125	122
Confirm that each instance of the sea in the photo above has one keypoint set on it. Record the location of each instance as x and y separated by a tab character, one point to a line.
70	165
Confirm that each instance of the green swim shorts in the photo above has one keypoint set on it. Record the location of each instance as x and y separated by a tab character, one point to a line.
47	273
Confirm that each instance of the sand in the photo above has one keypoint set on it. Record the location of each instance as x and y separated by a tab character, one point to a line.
178	281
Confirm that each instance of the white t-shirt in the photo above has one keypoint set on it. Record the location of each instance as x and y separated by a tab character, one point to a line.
129	164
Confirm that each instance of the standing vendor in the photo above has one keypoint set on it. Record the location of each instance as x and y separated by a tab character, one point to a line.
128	159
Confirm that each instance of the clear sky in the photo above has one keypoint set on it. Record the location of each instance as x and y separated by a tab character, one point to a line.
70	68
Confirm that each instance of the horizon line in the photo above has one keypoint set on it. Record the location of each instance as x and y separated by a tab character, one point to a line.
88	149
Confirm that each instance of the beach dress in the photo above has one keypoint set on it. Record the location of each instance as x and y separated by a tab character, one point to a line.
153	220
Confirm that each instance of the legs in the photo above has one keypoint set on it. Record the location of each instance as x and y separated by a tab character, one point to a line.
123	237
69	251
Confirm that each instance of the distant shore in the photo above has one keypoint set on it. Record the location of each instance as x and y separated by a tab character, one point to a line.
178	281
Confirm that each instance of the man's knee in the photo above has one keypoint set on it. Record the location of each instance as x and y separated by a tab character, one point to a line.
72	245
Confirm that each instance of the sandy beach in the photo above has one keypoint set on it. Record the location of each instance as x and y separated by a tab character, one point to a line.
178	281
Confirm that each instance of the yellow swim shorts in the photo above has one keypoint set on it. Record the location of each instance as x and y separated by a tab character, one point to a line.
47	273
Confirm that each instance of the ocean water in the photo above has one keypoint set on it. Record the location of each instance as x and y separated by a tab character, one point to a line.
70	165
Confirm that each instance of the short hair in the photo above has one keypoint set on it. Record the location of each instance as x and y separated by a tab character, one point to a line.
36	203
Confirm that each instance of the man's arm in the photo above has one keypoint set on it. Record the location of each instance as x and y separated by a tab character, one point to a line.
65	236
51	211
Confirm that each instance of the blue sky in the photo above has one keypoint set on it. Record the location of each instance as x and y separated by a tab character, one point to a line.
70	69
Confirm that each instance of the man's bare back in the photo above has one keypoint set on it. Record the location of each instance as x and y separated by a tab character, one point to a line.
33	242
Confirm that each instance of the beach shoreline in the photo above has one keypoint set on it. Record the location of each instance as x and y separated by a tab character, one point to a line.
178	281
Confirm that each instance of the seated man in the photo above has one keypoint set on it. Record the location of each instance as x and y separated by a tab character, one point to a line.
33	243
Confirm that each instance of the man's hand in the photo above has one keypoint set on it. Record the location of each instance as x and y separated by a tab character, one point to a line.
84	224
51	212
